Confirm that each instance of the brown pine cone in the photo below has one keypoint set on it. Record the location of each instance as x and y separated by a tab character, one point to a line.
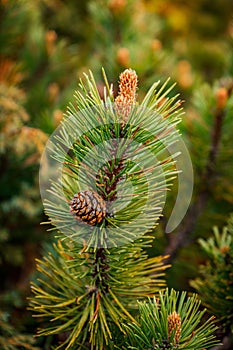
88	207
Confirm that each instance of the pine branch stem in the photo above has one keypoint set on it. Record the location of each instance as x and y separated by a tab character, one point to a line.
100	273
111	172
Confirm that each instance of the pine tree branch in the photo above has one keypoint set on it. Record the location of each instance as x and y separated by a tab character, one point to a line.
184	235
89	291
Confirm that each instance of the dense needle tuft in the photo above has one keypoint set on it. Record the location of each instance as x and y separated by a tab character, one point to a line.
88	207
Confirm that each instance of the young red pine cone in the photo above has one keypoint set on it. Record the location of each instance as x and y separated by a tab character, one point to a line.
127	93
174	323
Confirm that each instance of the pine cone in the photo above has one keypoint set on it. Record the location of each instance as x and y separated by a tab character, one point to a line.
88	207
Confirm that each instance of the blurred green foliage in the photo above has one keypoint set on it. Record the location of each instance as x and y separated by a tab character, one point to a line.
215	283
44	48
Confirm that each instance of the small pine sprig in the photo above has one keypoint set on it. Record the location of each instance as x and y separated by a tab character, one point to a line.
215	284
171	321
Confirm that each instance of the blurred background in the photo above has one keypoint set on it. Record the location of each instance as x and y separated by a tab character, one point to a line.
45	46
